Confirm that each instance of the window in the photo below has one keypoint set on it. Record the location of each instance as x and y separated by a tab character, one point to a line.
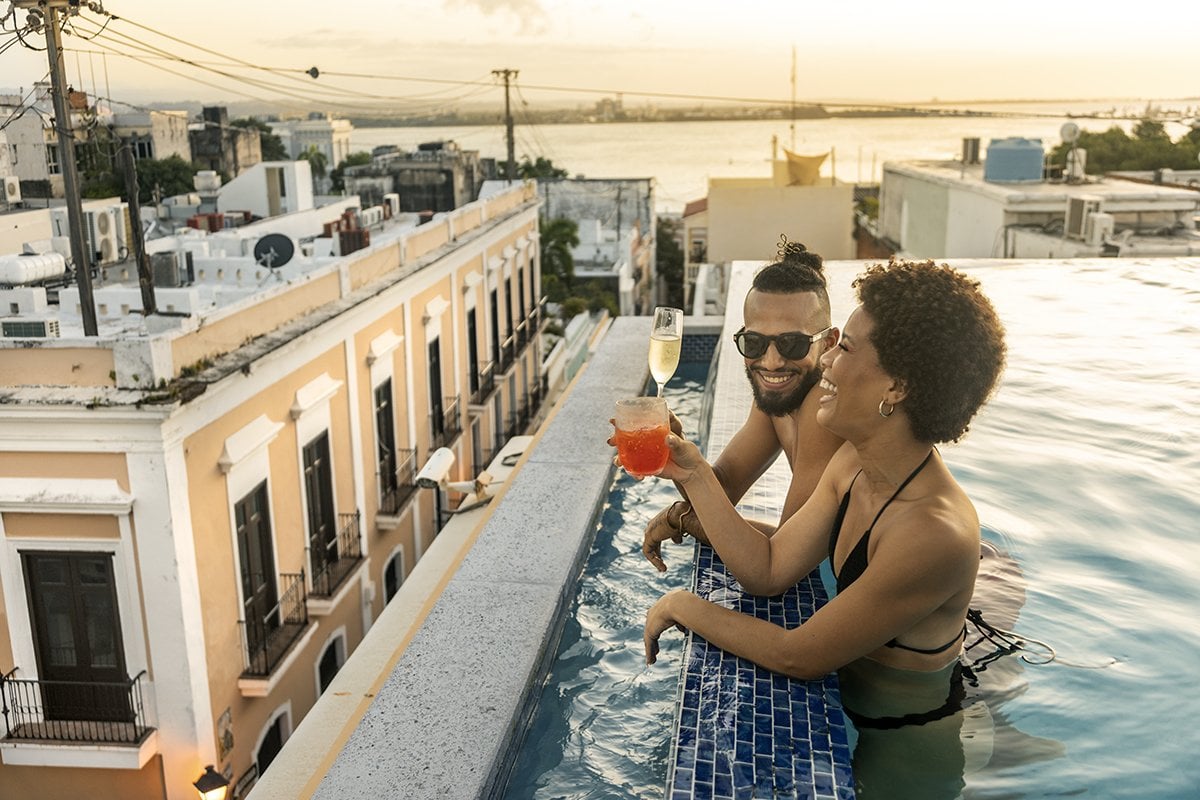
318	490
52	163
385	434
393	576
472	353
521	293
508	297
331	661
143	148
436	416
495	301
77	635
256	555
271	744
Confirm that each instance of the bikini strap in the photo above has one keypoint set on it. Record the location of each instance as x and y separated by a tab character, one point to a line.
896	493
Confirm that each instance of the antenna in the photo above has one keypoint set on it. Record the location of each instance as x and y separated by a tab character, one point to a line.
274	250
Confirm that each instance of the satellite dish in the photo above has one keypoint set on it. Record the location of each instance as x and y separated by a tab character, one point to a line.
1069	132
274	250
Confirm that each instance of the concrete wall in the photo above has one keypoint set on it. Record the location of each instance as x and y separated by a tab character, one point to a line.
746	218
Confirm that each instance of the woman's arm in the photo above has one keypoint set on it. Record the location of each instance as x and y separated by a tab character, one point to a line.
763	564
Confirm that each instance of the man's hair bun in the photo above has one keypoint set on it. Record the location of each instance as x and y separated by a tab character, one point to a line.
796	254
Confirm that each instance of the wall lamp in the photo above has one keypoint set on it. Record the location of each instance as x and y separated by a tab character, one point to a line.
212	785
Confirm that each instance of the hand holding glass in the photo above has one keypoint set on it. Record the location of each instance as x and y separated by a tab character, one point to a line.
666	337
641	435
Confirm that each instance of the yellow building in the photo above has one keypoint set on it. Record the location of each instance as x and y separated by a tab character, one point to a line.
202	511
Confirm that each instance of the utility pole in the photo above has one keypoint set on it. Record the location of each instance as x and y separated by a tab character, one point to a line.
145	275
508	75
66	154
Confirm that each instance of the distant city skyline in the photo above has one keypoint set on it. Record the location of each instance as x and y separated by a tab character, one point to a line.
655	53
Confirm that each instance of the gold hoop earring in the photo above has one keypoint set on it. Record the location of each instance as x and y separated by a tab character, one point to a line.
890	411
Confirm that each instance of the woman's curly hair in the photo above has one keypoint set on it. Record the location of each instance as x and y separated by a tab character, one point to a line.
937	333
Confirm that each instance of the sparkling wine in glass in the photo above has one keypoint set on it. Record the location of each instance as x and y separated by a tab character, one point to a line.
666	338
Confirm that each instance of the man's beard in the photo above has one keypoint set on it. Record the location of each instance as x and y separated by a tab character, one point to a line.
778	404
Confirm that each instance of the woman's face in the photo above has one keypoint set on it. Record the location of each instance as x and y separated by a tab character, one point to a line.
852	380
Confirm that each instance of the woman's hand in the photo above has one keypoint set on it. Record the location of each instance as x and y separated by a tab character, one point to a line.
659	618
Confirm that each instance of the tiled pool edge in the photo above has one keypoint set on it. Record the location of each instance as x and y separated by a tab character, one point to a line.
788	738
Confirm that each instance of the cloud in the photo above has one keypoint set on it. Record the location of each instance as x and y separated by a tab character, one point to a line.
529	13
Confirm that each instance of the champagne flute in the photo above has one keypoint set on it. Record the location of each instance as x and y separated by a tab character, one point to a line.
666	337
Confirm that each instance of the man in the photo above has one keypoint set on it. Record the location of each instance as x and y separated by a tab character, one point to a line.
787	328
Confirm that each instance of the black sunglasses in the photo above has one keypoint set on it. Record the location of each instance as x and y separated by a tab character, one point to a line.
792	346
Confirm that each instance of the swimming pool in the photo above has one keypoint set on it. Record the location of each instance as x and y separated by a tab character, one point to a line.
1083	468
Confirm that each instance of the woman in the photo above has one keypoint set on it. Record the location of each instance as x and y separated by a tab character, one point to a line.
916	360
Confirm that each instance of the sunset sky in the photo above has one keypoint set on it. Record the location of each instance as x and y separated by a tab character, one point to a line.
869	50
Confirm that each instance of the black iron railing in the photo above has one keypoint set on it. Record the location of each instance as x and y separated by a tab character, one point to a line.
522	334
487	383
74	711
508	351
266	639
405	484
451	418
333	562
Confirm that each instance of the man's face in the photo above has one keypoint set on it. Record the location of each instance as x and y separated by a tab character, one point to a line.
779	384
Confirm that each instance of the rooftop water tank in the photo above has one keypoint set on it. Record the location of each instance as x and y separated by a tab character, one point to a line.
1014	160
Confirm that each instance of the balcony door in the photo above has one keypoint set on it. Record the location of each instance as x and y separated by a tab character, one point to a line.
77	632
437	413
318	488
257	560
385	436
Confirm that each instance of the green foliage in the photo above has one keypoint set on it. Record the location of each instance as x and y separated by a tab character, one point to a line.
868	206
558	236
352	160
669	258
540	168
1149	148
169	176
573	306
272	145
318	162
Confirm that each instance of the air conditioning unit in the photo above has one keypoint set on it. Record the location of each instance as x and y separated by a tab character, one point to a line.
173	268
124	230
29	328
1078	208
393	202
100	231
10	189
1097	228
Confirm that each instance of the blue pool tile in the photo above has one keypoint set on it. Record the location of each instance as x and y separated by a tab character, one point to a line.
683	779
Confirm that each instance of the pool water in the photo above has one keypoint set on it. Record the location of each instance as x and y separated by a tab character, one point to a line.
603	725
1084	468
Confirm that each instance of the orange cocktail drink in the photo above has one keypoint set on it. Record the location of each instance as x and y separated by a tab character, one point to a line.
641	435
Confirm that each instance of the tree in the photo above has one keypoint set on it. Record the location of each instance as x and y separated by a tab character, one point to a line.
317	160
558	236
339	172
169	176
1149	148
272	145
540	168
669	259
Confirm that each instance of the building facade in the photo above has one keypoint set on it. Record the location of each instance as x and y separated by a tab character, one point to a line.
203	511
437	176
154	134
224	148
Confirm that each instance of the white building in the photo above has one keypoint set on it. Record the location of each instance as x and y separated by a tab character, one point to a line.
958	209
330	136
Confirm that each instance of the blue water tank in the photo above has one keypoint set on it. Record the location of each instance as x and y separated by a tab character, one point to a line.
1014	160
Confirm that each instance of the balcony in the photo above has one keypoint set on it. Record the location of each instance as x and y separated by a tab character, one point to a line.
508	352
446	426
340	558
522	335
75	723
268	641
486	384
402	486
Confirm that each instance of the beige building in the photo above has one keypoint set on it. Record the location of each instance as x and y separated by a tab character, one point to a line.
154	134
746	216
203	511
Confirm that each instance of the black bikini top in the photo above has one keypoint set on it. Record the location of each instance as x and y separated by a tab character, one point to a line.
856	563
